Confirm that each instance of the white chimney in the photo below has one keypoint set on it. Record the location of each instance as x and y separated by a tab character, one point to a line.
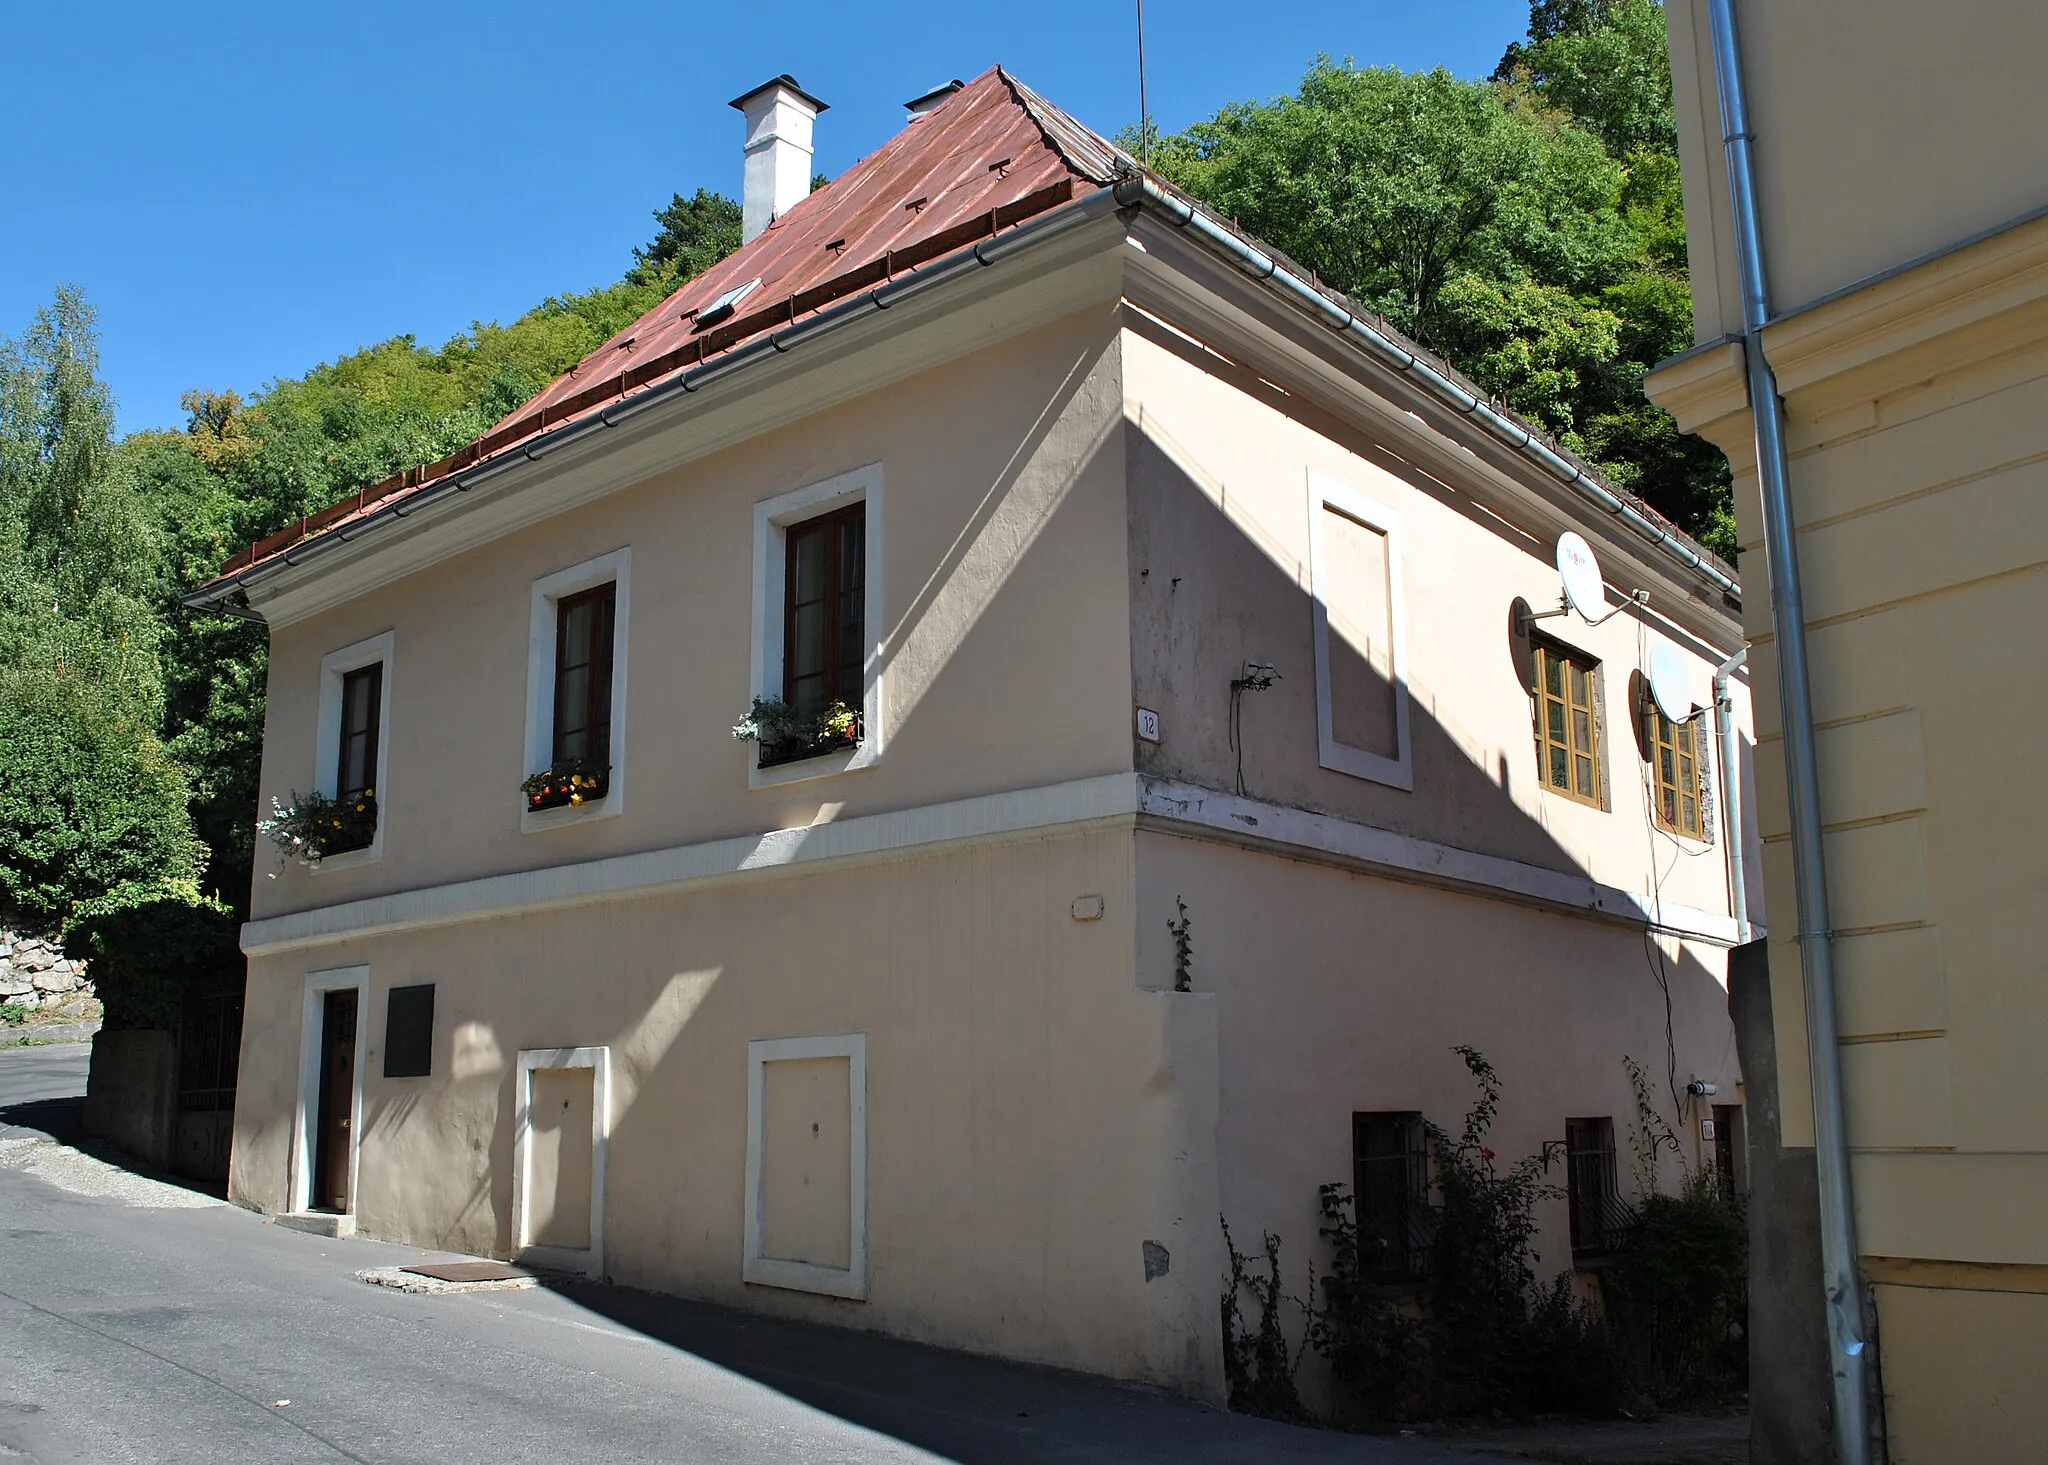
779	114
931	101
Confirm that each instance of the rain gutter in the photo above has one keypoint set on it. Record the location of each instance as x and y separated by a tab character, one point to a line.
1385	347
1731	792
1131	191
832	318
1848	1348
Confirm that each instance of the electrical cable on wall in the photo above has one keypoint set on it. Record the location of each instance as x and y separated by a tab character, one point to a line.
1257	677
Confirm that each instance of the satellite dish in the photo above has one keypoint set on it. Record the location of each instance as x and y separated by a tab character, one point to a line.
1584	590
1670	686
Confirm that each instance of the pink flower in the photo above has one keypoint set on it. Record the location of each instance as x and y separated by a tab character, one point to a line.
1485	1154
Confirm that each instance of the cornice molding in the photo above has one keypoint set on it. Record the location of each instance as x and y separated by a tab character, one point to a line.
1958	309
1109	801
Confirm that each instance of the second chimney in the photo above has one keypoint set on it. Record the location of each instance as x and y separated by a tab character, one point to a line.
779	114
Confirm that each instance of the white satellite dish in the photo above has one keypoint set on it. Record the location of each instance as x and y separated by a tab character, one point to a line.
1584	590
1670	686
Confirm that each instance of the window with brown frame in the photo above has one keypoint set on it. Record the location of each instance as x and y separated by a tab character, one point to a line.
1674	771
824	630
355	769
362	695
583	675
1567	722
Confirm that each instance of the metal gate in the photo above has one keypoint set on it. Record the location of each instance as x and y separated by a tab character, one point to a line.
209	1055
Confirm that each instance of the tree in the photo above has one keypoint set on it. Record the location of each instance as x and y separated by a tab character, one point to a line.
89	795
696	233
1529	229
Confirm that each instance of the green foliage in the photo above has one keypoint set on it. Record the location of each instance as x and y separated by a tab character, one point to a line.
145	942
1677	1298
696	233
119	711
89	795
1530	229
314	826
1373	1346
1259	1363
1605	62
12	1014
1183	950
1498	1341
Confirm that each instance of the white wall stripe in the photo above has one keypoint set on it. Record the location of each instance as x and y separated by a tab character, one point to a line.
1114	798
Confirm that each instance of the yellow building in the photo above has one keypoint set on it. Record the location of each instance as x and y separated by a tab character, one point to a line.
1901	183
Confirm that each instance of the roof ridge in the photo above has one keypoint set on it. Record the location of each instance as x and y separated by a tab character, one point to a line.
1079	146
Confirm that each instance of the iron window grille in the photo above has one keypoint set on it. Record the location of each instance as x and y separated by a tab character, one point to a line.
1601	1222
1390	1181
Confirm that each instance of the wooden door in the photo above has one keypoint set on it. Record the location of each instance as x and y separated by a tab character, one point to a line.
337	1101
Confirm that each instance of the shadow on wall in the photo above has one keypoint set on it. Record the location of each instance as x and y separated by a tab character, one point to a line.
1230	599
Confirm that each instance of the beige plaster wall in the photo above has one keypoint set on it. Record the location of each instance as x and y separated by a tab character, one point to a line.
1882	132
1006	663
1339	993
1963	1375
1220	512
1034	1117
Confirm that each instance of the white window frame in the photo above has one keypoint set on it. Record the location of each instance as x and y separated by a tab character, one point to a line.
615	568
773	518
1326	493
334	666
299	1184
767	1271
587	1260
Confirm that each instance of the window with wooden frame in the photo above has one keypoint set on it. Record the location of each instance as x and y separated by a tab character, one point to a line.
362	696
1567	720
1675	752
584	625
824	610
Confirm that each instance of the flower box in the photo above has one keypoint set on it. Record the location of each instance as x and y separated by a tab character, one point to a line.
567	784
786	736
314	826
795	750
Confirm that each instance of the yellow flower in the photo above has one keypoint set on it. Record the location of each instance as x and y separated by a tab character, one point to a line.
575	798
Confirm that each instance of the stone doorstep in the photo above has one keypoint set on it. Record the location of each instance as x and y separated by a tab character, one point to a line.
318	1223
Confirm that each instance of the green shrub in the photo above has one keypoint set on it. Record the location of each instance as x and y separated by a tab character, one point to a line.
145	943
1677	1298
88	798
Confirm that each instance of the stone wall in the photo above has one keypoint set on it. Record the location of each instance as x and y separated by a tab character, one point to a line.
34	973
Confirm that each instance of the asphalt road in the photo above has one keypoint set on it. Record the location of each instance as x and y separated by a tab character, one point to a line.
141	1321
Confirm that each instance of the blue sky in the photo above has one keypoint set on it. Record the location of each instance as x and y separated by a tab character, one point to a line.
244	190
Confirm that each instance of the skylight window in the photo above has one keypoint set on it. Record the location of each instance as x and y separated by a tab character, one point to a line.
723	307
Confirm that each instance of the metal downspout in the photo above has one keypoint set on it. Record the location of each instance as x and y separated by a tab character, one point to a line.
1848	1353
1731	792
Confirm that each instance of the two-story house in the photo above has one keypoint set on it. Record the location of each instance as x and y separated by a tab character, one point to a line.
1166	751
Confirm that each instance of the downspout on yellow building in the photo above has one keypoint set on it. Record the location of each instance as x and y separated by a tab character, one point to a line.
1901	177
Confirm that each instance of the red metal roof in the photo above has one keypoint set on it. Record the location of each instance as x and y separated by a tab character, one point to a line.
991	156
